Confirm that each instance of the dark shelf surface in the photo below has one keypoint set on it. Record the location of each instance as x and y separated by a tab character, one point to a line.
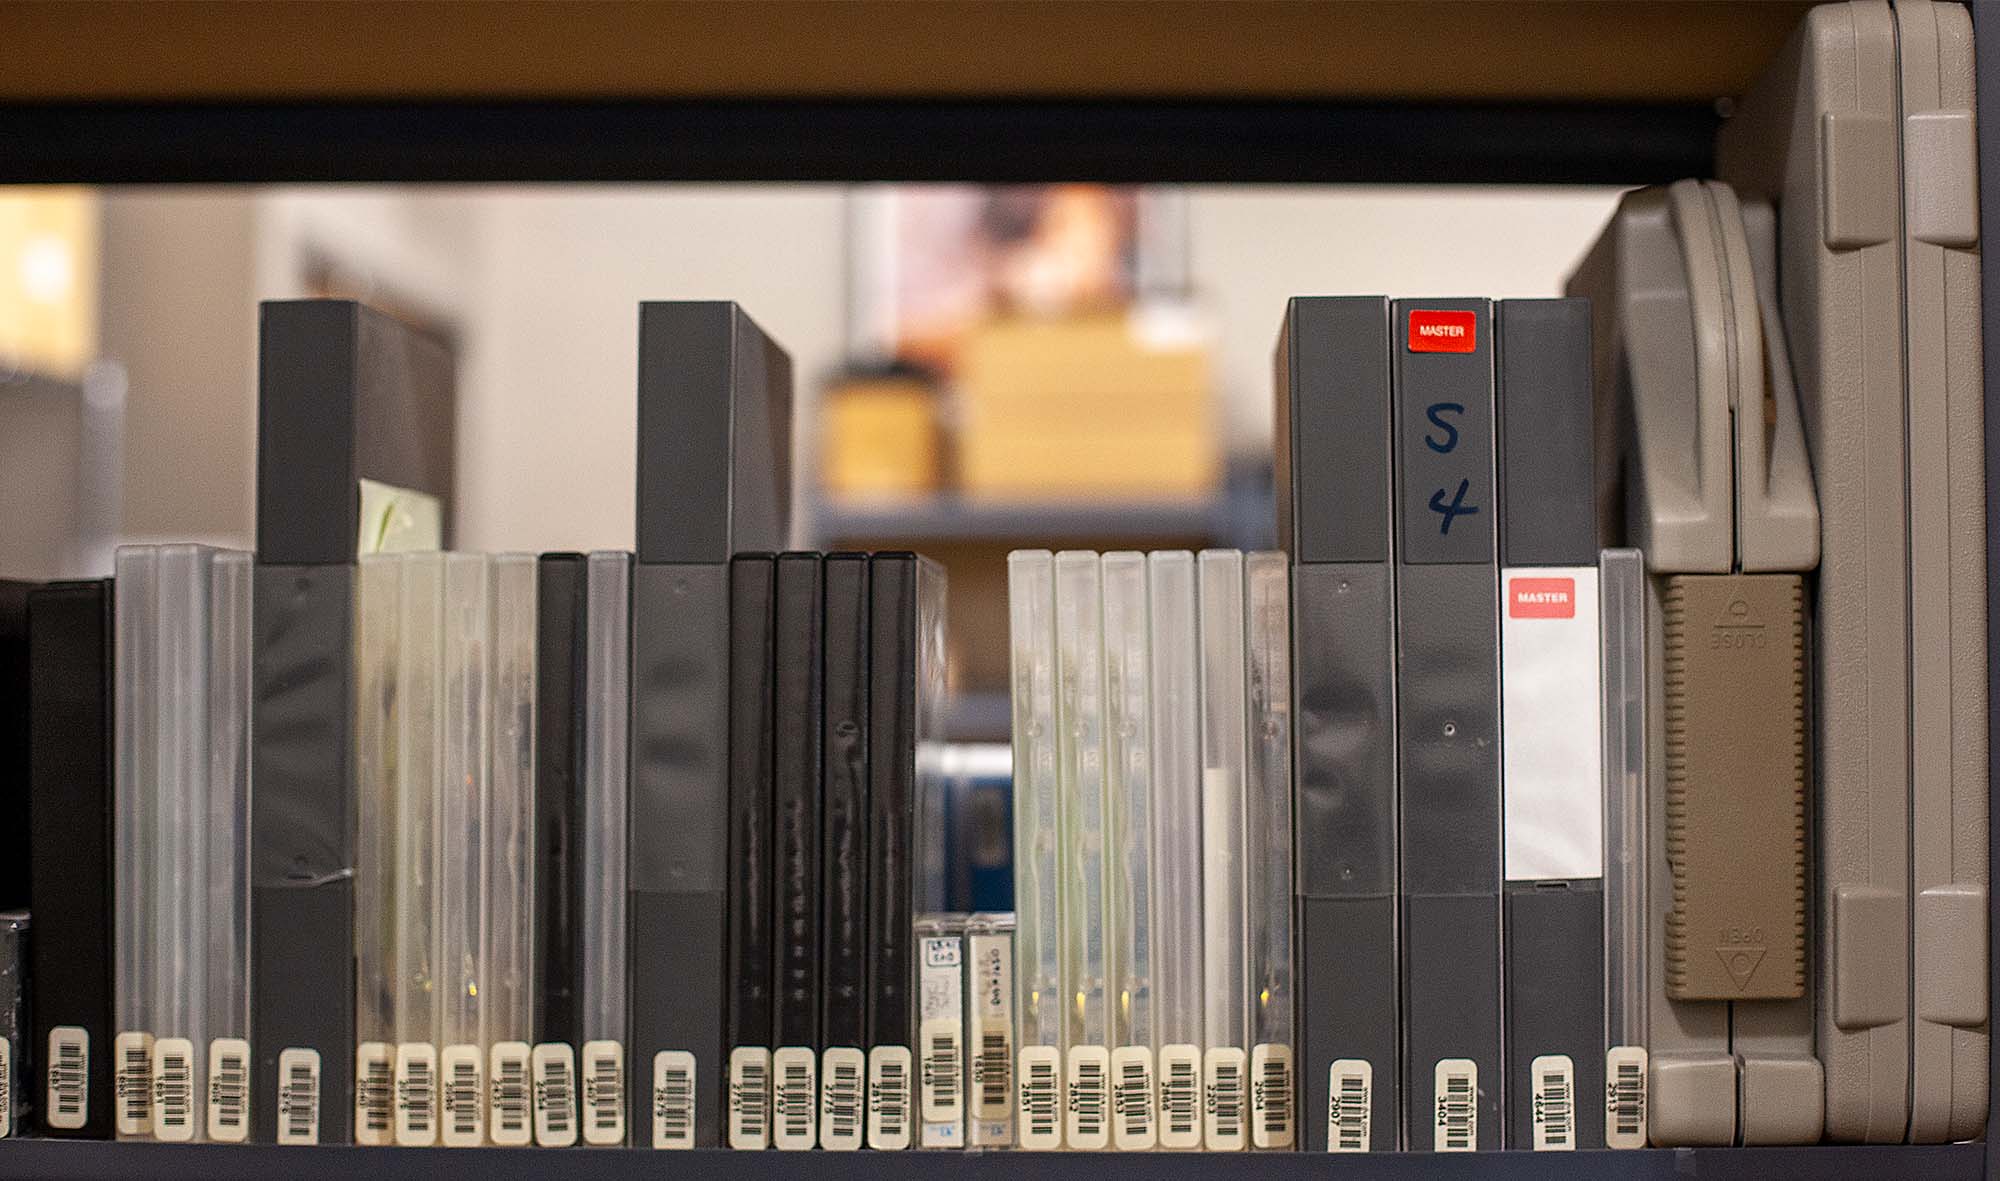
77	1159
951	518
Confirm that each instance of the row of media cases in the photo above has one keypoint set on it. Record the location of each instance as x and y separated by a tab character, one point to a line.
1601	762
1449	829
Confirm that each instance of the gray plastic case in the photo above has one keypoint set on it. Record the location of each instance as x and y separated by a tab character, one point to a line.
1948	834
714	479
1334	506
1448	732
1817	139
330	374
1708	489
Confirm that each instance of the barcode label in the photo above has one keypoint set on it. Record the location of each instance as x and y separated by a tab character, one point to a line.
416	1094
1041	1097
940	1048
464	1096
555	1095
1456	1083
1350	1105
1133	1126
795	1097
173	1090
889	1098
69	1077
229	1090
749	1097
993	1074
6	1088
1224	1099
604	1093
1271	1098
673	1099
512	1094
841	1098
1089	1105
944	1072
1554	1078
134	1083
990	1036
374	1093
1625	1097
298	1096
1180	1097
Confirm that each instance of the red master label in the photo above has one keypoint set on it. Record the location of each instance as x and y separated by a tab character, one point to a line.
1443	332
1541	598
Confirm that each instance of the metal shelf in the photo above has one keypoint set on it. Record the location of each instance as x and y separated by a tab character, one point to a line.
224	1162
951	518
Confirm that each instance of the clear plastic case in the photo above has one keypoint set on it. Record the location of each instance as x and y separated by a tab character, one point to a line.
1177	845
377	628
510	848
180	837
1268	828
135	662
1128	762
464	782
1622	583
1128	871
1080	724
607	676
419	779
1037	841
1224	770
228	904
1224	766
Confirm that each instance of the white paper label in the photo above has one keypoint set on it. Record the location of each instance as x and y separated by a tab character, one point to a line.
1456	1087
990	1038
1134	1127
1625	1097
134	1083
1180	1097
604	1093
229	1090
795	1096
512	1095
842	1103
889	1098
1041	1097
374	1093
173	1090
940	1040
555	1095
69	1077
462	1069
749	1097
416	1094
1551	701
1224	1099
943	1092
6	1088
298	1096
1089	1108
673	1099
1271	1096
1350	1105
1554	1077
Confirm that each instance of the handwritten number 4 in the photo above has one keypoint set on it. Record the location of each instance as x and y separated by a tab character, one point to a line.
1457	508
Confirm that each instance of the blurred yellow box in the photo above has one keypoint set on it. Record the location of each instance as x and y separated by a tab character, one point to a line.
880	438
48	281
1096	407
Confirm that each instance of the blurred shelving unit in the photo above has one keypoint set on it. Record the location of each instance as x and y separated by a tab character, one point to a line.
1430	91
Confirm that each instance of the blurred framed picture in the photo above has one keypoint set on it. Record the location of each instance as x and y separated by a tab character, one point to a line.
927	262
